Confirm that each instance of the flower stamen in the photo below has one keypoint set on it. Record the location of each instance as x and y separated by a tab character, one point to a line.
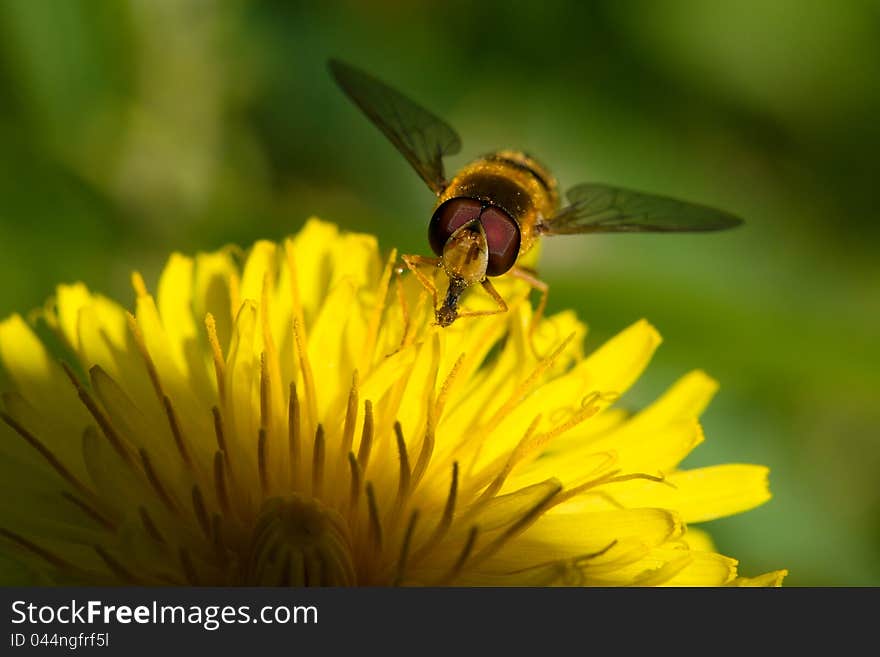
366	437
404	548
189	569
425	453
154	481
376	318
355	487
218	429
103	421
569	570
220	482
516	397
261	460
521	449
141	345
521	391
293	436
517	527
116	568
445	520
47	454
200	511
217	537
90	511
269	363
265	401
610	478
217	355
306	368
150	526
348	426
462	557
409	336
581	560
176	432
318	462
32	547
443	395
296	300
404	470
375	526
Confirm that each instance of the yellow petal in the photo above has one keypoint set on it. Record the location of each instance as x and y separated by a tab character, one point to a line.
143	426
687	398
518	389
214	273
704	569
773	578
261	261
654	452
329	355
241	410
609	371
698	540
53	431
495	521
174	377
312	254
24	470
175	304
701	494
41	381
174	300
506	509
168	361
616	365
99	342
570	535
69	300
661	435
355	256
115	482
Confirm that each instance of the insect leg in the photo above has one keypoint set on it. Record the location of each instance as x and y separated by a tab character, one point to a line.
413	262
490	289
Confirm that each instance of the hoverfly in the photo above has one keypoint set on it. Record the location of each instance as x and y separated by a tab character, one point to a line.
495	208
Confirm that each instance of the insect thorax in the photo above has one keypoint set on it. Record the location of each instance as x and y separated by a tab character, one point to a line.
513	181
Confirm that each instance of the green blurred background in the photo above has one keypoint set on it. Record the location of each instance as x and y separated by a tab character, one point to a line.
130	129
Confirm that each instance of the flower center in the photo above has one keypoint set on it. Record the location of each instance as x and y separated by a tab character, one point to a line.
297	541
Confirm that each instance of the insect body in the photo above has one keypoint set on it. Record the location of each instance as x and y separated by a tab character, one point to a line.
485	219
493	210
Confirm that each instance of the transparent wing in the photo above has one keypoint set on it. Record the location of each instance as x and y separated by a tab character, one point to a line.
421	137
604	209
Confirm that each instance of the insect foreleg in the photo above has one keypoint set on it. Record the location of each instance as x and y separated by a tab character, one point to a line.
490	289
413	262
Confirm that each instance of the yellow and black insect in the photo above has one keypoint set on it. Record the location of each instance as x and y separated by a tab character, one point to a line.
493	210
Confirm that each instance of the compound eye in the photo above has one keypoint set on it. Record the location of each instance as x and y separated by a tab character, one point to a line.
449	217
502	237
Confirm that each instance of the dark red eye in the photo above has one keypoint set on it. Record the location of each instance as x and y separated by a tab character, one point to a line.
448	218
502	235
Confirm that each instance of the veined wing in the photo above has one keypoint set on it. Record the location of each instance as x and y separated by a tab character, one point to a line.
596	208
422	138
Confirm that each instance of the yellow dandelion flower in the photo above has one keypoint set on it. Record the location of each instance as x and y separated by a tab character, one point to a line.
297	419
